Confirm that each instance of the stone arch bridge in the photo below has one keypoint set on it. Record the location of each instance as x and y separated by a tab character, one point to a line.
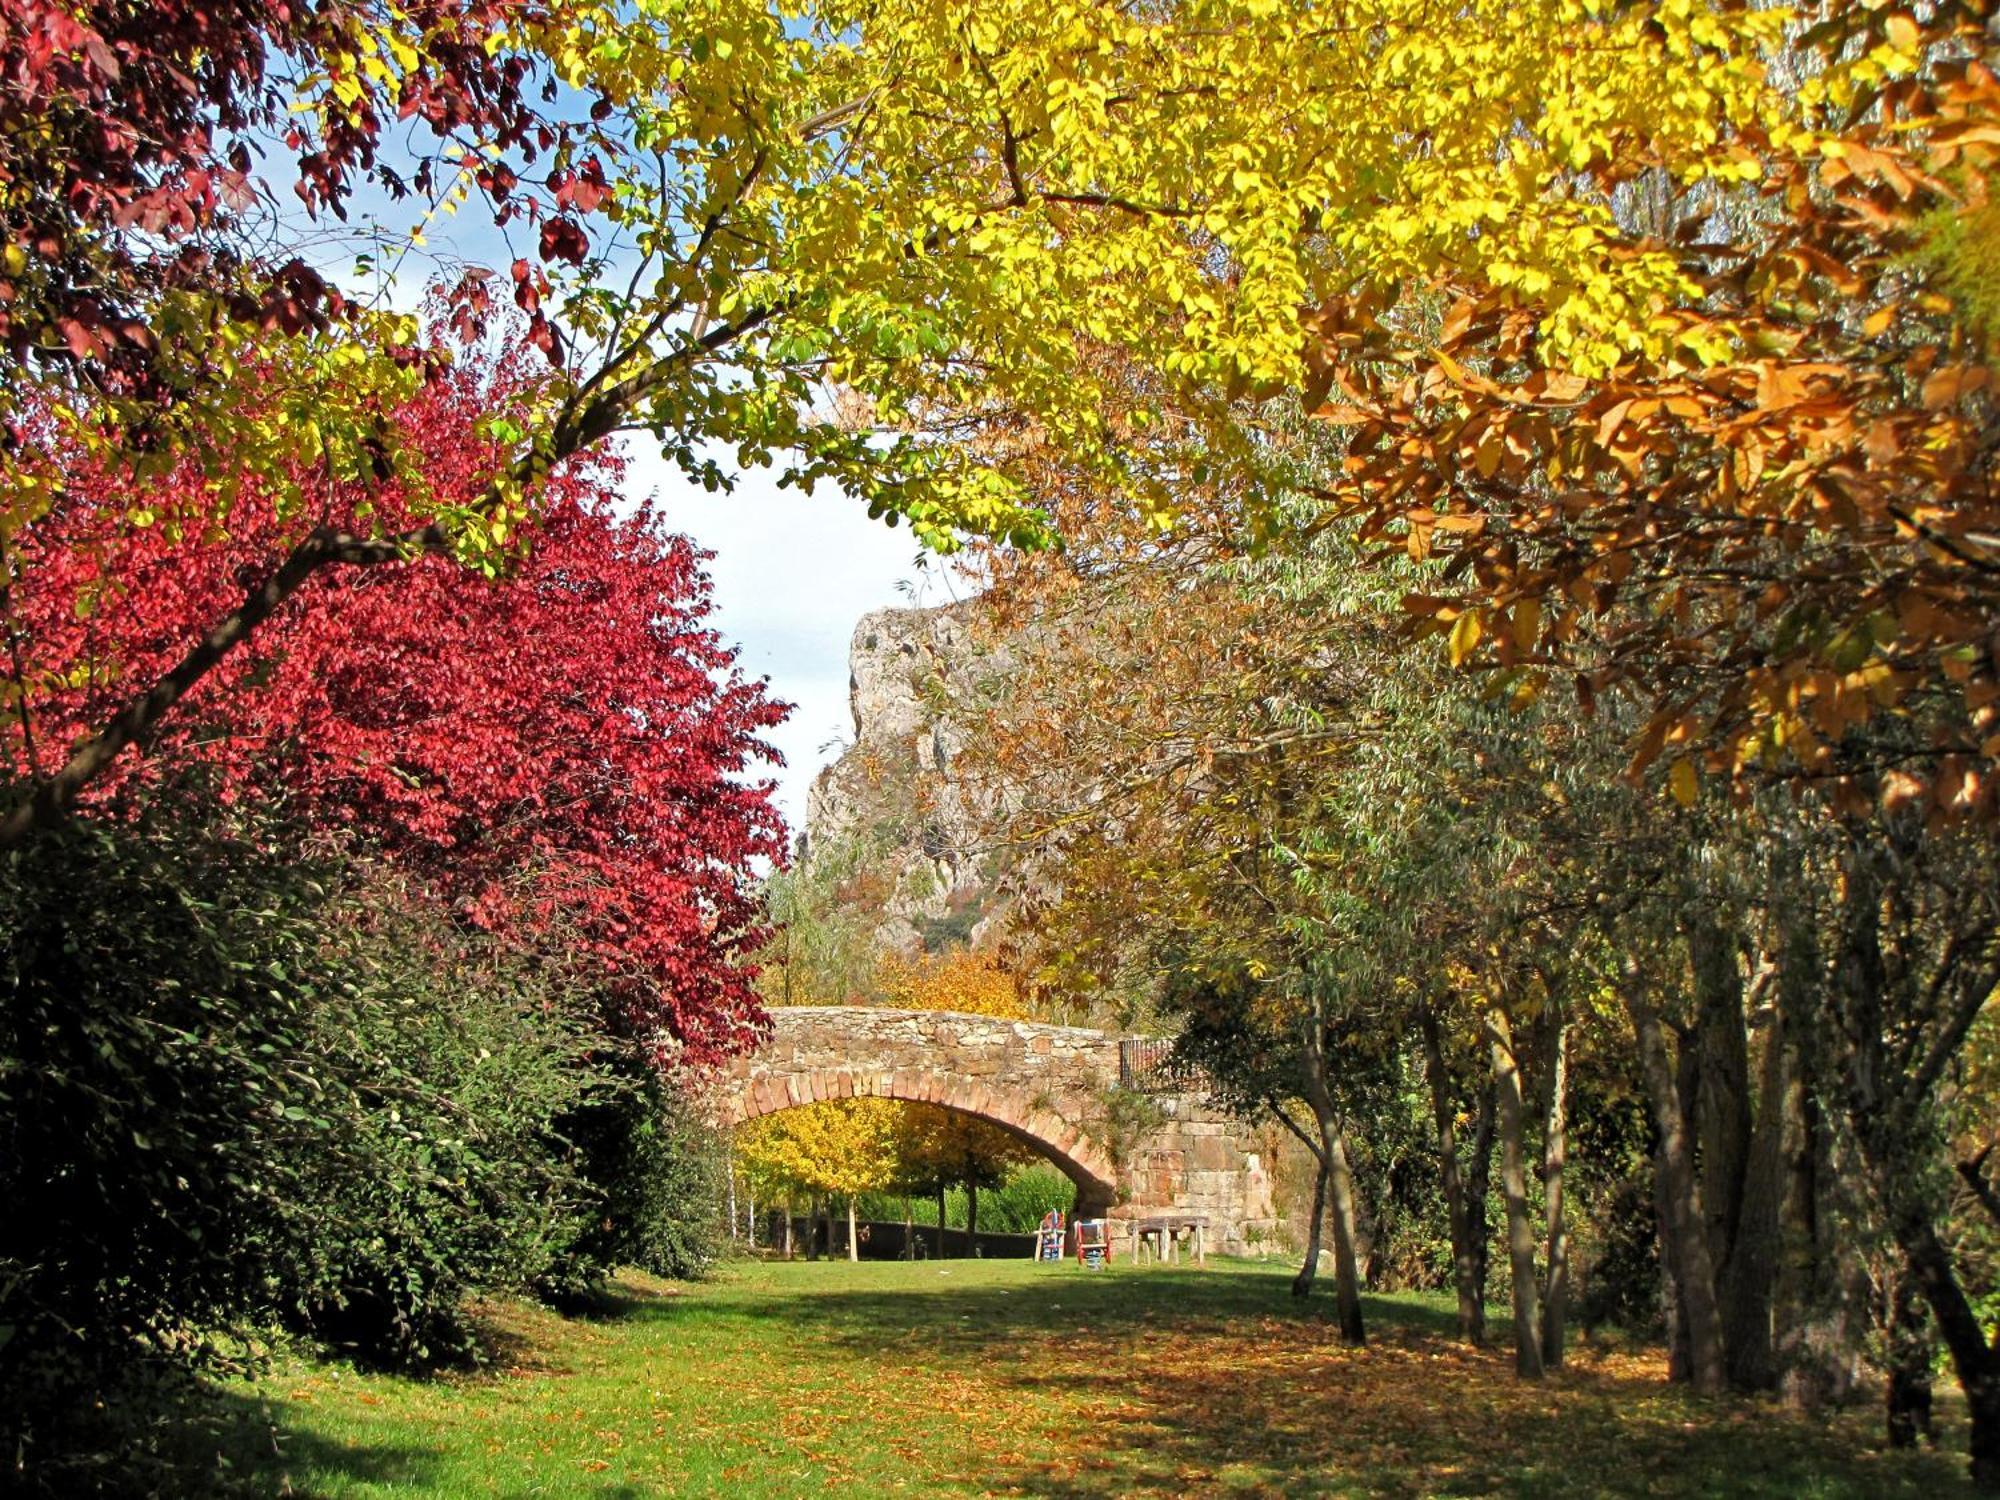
1090	1101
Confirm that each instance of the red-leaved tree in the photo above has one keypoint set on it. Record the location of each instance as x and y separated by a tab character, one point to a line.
567	750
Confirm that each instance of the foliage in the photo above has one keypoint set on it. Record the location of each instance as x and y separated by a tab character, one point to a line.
740	208
1772	543
844	1146
655	1169
569	752
238	1093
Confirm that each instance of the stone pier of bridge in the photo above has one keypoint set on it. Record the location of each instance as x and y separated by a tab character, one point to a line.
1135	1148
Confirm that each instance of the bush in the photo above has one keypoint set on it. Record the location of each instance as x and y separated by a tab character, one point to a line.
444	1169
657	1170
234	1093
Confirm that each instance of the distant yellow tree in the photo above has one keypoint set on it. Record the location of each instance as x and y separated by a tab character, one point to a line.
975	983
842	1147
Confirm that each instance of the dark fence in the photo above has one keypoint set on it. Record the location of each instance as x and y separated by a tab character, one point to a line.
886	1240
1142	1065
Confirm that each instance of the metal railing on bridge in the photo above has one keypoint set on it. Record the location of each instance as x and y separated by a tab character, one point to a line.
1145	1066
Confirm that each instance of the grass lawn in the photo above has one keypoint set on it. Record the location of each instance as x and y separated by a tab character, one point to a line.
978	1377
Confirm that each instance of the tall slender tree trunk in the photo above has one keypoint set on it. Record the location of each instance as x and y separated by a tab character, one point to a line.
812	1227
1739	1155
1555	1145
1749	1281
971	1216
1680	1203
1811	1347
1346	1260
1479	1192
1339	1181
1910	1348
790	1209
940	1229
909	1228
1302	1284
853	1241
1467	1273
1514	1186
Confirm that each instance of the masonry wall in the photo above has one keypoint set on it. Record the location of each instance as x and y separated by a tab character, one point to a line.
1048	1084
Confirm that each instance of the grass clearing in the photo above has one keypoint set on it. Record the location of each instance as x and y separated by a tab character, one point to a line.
1003	1377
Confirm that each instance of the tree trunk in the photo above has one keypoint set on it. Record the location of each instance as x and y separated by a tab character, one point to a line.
1555	1145
1910	1346
1739	1161
789	1210
1302	1284
1680	1204
909	1228
1339	1181
1346	1262
1749	1278
812	1227
1479	1192
853	1241
940	1229
1514	1186
1466	1271
1722	1092
1673	1311
971	1216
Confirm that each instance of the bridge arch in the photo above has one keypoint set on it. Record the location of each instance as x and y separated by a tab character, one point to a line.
1082	1159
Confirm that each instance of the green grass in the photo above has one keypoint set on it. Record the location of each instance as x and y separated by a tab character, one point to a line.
981	1377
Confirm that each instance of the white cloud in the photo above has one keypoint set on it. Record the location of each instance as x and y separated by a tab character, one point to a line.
792	574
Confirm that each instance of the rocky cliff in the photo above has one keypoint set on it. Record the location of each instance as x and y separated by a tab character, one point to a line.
895	820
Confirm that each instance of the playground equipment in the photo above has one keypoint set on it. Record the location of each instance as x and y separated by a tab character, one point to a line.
1049	1237
1093	1244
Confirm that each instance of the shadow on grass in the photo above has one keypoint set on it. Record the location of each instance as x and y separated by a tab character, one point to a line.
1218	1382
169	1434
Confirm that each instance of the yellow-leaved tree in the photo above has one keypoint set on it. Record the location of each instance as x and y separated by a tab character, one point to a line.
838	1148
941	212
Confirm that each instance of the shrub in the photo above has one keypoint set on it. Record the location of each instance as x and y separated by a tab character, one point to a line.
233	1092
657	1172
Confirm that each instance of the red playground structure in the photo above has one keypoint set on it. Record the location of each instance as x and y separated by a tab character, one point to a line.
1093	1244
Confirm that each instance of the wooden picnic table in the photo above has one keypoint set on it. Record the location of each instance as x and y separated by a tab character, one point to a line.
1162	1234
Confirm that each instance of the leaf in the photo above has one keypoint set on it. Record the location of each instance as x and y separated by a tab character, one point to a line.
1684	782
1464	637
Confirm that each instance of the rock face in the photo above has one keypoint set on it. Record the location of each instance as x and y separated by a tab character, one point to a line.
894	811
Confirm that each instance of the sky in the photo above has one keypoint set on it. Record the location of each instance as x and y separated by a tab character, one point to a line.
793	573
